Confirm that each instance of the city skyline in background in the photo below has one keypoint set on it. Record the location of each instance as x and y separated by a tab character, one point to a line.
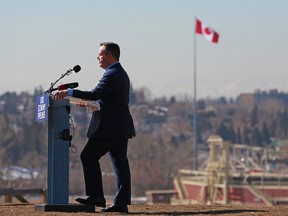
40	41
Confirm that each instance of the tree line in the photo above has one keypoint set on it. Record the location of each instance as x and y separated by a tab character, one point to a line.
164	140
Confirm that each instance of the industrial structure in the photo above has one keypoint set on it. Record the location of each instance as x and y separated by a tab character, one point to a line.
233	174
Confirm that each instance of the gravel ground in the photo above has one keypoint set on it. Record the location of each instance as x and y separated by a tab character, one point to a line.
201	210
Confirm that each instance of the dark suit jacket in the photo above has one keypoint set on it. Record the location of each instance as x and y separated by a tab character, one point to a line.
112	92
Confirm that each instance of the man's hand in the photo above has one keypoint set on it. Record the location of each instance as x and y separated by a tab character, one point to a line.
61	94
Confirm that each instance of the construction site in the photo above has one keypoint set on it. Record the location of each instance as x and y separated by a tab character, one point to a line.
235	174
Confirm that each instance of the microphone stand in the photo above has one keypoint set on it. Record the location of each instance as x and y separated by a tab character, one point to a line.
68	72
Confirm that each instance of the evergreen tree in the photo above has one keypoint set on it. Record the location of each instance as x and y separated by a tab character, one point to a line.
254	116
265	134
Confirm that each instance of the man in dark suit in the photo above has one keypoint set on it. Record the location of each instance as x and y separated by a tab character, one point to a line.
110	128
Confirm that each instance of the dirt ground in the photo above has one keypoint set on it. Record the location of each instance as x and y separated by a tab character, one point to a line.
201	210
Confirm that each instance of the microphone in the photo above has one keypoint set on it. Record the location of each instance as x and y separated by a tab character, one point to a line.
66	86
76	69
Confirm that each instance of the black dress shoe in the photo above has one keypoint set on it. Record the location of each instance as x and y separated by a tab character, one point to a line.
116	208
92	201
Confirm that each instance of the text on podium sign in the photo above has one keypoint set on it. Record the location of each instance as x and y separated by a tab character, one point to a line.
42	107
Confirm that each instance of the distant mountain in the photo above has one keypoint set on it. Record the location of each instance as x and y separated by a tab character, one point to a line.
218	87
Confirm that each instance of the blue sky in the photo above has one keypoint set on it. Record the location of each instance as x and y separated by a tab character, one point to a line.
40	40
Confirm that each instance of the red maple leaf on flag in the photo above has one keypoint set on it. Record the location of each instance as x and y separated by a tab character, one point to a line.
206	31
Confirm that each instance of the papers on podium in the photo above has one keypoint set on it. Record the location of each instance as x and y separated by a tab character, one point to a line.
91	105
79	101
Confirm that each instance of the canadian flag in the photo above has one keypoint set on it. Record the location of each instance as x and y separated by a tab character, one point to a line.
207	32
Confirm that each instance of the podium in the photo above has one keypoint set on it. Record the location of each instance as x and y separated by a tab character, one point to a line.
57	113
58	152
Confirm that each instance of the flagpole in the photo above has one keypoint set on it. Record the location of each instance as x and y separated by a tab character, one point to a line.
195	149
213	37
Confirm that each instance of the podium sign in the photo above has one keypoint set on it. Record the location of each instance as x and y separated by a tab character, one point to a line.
42	102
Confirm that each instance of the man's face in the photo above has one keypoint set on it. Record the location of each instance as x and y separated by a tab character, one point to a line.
103	57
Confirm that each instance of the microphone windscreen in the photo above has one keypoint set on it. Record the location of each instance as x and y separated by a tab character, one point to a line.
77	68
74	85
68	85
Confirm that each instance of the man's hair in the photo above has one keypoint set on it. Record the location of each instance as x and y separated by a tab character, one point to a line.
112	48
